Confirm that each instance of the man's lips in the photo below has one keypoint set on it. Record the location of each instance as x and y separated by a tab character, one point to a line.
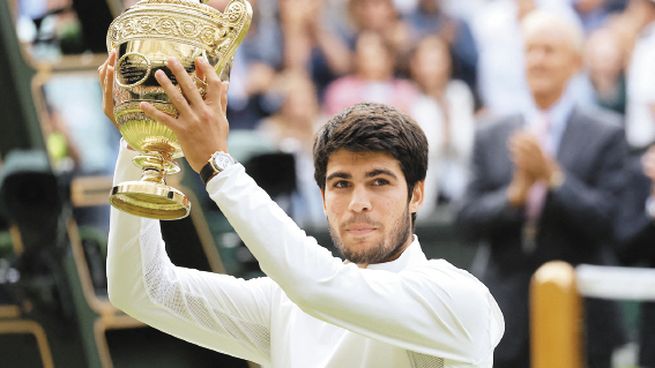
361	229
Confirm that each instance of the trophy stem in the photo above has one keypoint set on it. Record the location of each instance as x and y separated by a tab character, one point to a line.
154	166
151	197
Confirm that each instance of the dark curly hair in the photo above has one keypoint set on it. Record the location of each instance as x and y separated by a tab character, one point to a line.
372	127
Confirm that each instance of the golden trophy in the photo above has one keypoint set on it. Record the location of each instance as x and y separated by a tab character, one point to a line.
144	37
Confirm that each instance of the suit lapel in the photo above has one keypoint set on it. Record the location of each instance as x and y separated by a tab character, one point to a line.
570	143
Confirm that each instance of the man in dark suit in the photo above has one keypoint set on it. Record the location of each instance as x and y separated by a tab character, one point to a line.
635	232
544	187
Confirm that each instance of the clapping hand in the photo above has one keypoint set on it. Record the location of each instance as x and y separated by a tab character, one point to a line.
528	155
531	164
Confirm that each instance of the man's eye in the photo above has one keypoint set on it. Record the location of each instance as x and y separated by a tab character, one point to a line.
341	184
380	182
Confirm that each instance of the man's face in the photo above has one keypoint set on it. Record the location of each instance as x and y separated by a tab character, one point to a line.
551	60
365	200
373	15
373	60
430	65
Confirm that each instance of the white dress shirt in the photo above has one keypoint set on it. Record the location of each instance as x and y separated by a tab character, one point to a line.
313	309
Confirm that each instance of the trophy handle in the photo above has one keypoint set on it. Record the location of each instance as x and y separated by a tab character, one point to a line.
238	13
224	74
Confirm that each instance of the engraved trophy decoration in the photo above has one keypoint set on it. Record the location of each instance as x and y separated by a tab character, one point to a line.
144	37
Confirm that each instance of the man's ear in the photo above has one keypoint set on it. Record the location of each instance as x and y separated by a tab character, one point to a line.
417	196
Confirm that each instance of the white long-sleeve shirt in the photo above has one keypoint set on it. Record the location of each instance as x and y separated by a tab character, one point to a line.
313	310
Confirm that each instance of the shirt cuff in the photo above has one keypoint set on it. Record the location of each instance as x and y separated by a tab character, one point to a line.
214	184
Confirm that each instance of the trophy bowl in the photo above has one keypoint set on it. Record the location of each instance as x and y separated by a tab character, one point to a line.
144	37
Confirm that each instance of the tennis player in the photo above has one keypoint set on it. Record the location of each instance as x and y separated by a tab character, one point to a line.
384	305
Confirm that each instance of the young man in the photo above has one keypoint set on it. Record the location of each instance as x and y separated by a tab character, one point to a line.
385	306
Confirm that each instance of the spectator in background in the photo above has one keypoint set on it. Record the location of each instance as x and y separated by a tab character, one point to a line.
86	126
381	17
445	112
254	65
592	13
501	67
501	75
464	9
636	234
640	117
605	65
373	79
430	17
626	26
291	129
63	152
309	43
544	187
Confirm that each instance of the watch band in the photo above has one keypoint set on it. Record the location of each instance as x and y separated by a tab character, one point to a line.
207	172
218	162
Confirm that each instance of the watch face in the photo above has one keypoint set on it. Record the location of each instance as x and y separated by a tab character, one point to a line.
222	161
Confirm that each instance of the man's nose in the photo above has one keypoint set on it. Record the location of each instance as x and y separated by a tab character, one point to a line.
360	200
536	56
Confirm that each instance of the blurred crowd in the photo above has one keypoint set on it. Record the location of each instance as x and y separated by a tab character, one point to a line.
540	115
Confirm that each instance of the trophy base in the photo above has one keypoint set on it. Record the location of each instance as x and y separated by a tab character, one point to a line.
151	200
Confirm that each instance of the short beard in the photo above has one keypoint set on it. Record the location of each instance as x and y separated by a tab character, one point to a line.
382	252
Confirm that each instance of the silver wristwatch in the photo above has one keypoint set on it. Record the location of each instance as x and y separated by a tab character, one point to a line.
218	162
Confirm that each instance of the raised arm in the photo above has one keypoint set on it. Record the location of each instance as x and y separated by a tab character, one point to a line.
216	311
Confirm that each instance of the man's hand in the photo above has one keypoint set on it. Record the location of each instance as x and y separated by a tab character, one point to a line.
518	189
648	164
106	78
201	126
528	155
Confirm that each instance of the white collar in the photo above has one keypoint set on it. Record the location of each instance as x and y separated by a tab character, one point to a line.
412	255
648	31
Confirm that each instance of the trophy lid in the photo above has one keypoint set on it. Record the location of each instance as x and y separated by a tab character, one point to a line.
184	21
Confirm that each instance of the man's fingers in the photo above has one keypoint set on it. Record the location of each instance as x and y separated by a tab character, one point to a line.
187	85
225	87
106	78
174	94
102	70
527	145
153	113
108	92
112	58
109	61
200	72
214	84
